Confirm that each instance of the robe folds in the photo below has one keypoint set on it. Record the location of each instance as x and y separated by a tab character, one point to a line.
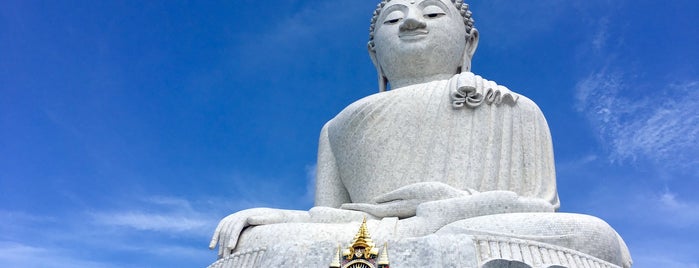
466	132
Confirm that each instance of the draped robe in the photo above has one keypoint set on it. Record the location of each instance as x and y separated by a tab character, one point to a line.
466	132
420	133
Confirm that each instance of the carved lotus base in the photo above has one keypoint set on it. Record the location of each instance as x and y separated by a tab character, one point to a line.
429	251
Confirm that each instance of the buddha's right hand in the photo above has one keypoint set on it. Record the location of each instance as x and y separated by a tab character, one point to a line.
229	229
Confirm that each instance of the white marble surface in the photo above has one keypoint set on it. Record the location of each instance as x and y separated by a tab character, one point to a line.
450	168
410	135
459	250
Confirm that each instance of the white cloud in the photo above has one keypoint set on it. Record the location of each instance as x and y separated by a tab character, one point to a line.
150	221
666	252
658	226
19	216
637	116
601	36
157	229
669	200
159	214
21	255
660	208
309	196
574	165
676	212
195	253
16	223
659	125
178	203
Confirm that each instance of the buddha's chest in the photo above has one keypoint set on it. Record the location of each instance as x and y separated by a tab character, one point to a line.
387	145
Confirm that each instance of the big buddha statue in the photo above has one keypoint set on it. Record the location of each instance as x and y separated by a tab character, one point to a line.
450	169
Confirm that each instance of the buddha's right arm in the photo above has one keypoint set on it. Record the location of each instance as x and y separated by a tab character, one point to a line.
330	191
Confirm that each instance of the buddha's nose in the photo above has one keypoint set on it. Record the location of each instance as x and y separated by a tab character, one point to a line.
412	23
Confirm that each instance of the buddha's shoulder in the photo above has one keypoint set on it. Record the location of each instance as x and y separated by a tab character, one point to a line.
511	97
399	101
525	103
527	108
373	102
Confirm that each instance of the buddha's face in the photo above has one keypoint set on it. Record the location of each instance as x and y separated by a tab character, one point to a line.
415	39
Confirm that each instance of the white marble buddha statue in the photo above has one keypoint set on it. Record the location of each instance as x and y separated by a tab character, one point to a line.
444	152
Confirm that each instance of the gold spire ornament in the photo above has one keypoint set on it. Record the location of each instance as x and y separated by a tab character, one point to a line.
362	253
336	260
383	260
362	246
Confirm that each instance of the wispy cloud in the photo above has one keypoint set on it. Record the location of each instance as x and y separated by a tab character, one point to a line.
601	36
21	255
666	252
637	116
647	125
309	196
659	125
641	207
19	216
152	229
159	214
150	221
658	225
573	165
675	211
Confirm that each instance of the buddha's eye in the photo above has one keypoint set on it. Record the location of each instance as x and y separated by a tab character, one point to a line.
434	15
433	12
393	17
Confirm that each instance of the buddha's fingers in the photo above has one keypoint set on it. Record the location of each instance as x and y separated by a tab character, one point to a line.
222	248
224	237
368	208
412	191
233	230
392	196
214	239
219	236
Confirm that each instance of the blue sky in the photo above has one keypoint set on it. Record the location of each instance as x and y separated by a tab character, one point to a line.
128	129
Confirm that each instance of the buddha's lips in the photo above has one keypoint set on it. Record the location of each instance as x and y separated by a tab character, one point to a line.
414	33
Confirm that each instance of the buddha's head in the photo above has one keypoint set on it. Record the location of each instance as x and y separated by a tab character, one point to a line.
417	41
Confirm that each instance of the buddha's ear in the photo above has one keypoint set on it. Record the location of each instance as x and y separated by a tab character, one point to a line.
383	82
470	50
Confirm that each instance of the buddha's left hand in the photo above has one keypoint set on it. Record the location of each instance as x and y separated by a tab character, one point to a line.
403	202
433	215
481	204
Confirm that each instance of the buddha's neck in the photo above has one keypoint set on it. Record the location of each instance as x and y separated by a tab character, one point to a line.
409	81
